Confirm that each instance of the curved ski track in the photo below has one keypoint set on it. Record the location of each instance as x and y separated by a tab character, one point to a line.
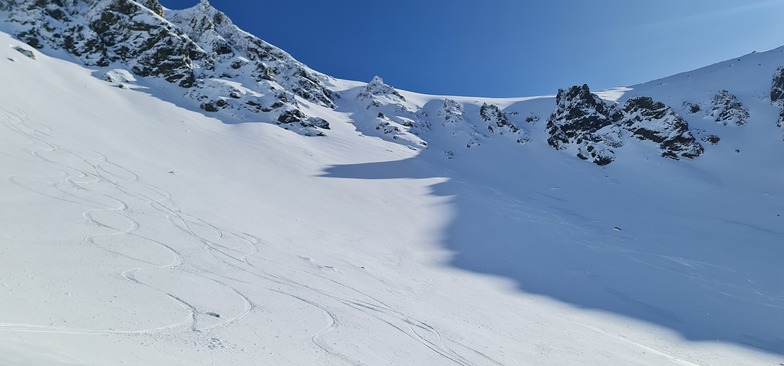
113	194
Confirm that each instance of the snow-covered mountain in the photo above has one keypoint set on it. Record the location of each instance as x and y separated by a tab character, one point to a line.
155	212
227	71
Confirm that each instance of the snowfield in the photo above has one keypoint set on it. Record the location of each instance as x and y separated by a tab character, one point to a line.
136	231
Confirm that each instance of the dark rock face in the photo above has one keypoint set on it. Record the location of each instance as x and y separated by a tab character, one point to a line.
654	121
780	123
214	106
711	139
777	93
496	117
692	108
595	128
111	31
777	89
294	117
727	109
584	120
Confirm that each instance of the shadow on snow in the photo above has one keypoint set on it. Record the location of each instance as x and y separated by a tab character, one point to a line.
706	279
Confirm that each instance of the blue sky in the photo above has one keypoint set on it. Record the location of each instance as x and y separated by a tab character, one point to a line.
506	48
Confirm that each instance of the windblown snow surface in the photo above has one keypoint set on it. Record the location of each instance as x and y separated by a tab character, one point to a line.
134	231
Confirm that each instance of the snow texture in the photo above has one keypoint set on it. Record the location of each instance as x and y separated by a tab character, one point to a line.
143	224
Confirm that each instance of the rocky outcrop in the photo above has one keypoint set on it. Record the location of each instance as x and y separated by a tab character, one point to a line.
100	33
711	139
387	114
200	49
24	51
496	118
594	128
239	56
499	123
585	121
377	88
452	112
472	129
777	93
653	121
777	88
727	109
691	108
455	121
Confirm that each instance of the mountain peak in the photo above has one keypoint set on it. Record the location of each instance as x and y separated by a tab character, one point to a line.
376	87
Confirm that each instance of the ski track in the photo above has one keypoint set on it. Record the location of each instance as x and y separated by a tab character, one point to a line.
83	180
671	358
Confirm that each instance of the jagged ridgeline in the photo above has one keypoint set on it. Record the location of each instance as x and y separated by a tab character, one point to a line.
199	49
228	72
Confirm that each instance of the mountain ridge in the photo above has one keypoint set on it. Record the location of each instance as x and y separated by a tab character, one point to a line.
240	77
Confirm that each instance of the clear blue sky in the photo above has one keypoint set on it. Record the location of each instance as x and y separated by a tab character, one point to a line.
505	48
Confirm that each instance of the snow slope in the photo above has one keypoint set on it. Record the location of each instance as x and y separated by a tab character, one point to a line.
136	231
